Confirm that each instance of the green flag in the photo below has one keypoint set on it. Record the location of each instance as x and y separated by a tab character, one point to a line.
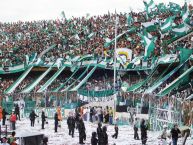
185	14
145	33
167	25
63	14
129	20
161	7
185	54
174	8
150	26
108	41
27	59
149	7
181	29
149	45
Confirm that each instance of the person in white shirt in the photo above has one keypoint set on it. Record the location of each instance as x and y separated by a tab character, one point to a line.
164	135
99	112
88	114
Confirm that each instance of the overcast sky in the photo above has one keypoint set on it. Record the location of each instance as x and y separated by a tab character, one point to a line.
27	10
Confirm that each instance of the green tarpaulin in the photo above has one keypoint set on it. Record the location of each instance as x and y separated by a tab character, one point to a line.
84	80
140	84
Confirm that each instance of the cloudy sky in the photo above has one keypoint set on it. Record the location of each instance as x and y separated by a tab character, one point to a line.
27	10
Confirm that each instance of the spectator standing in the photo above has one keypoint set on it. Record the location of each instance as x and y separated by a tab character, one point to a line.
110	116
17	111
13	119
43	116
99	113
94	140
106	115
4	113
32	117
175	132
116	132
82	133
94	114
135	127
59	116
99	132
85	114
164	135
71	125
104	138
88	114
91	113
144	128
56	122
1	113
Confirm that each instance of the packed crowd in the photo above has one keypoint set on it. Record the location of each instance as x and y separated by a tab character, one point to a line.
4	84
79	36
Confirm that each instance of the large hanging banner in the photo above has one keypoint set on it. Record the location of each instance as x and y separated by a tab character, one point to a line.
159	117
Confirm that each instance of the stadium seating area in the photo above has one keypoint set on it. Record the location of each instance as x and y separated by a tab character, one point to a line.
93	35
81	36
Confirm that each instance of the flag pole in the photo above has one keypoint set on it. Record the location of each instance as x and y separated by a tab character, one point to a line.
115	47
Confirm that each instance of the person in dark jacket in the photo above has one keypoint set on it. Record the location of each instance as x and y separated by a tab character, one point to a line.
77	117
94	140
135	127
56	121
4	113
116	132
104	138
175	132
144	128
71	125
17	111
43	116
91	113
82	133
99	132
32	117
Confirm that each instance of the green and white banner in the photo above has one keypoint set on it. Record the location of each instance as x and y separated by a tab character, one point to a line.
167	25
149	45
181	29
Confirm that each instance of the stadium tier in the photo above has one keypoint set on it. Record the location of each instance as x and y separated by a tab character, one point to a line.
74	62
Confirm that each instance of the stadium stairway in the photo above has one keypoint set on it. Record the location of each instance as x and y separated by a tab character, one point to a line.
30	87
175	83
85	79
162	80
18	81
63	84
49	82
